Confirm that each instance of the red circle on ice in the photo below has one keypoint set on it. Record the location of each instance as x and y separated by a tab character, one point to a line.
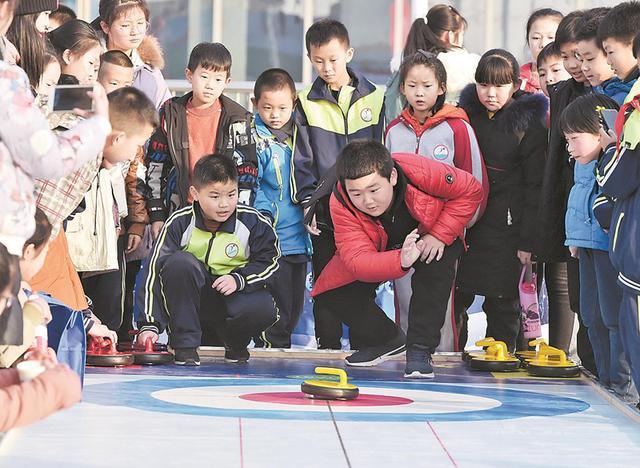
299	398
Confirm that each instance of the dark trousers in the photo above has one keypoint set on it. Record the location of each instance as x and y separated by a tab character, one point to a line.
133	268
630	331
189	297
287	285
328	329
561	317
107	290
431	286
600	298
585	352
503	316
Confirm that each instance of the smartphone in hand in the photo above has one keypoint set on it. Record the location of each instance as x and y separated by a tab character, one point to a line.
608	119
66	98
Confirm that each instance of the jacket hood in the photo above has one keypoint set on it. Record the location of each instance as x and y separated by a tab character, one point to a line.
151	53
525	109
445	113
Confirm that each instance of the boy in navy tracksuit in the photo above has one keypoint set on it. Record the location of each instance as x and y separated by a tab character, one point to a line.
210	264
274	98
619	176
340	106
587	240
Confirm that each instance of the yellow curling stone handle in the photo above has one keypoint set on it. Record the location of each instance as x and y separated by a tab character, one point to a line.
333	371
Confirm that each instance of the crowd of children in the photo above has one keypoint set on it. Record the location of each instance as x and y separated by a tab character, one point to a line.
193	216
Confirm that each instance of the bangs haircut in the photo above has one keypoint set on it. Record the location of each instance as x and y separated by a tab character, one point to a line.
274	79
497	67
547	53
214	168
539	14
116	57
588	25
111	10
581	116
432	62
323	31
212	56
130	111
361	158
621	23
568	28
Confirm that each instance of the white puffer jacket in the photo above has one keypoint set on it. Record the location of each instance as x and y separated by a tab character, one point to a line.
29	150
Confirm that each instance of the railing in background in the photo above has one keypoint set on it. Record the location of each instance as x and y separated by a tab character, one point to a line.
239	91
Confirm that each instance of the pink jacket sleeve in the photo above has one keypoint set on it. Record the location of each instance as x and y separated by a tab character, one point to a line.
24	130
25	403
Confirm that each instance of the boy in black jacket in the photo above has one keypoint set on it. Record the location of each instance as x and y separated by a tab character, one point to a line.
210	265
201	122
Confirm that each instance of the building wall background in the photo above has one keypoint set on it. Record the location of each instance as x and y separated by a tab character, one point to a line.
270	33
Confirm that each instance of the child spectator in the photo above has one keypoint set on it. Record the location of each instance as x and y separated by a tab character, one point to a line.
209	122
541	30
211	261
391	214
79	48
25	33
274	98
125	26
58	387
511	131
595	65
116	70
441	32
95	244
599	294
561	271
341	105
616	33
60	16
619	176
436	130
50	75
550	68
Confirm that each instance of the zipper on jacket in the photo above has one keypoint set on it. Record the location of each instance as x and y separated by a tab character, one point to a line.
276	166
417	143
174	156
206	257
616	232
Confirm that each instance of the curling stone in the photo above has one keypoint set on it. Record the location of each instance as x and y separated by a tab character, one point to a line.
102	352
495	359
552	362
150	355
468	355
528	355
330	390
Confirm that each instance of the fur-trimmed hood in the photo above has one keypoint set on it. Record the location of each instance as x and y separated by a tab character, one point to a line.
151	53
517	116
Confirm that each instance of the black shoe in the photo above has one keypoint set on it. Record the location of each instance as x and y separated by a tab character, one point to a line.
236	354
187	357
419	364
373	355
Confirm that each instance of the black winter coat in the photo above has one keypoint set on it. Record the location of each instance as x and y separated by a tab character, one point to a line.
558	177
513	143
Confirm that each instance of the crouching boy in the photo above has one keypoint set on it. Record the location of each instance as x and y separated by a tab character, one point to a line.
391	214
210	264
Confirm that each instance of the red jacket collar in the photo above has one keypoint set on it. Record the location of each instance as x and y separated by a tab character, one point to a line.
447	112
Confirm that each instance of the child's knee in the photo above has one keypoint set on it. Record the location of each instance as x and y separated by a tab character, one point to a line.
181	263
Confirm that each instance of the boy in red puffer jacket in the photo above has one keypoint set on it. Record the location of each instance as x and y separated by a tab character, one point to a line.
389	215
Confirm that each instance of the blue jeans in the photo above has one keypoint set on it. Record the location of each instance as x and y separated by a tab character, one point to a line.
600	298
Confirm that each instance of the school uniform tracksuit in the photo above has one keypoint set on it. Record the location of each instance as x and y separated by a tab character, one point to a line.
176	291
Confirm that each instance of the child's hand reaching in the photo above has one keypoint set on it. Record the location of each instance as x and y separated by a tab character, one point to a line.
432	248
607	138
411	249
225	285
101	331
42	306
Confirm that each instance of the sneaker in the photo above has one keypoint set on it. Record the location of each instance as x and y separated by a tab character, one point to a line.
374	355
187	357
419	364
236	354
